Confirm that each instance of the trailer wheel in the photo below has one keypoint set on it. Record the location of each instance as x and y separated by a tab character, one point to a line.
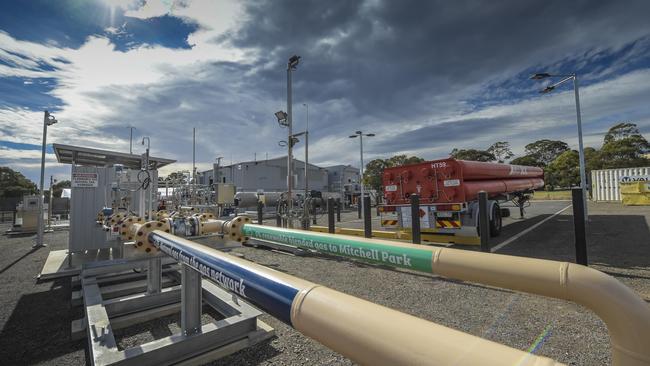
496	223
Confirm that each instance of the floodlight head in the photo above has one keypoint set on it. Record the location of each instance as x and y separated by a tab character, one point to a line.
353	136
281	115
282	143
293	61
370	135
49	119
548	89
540	76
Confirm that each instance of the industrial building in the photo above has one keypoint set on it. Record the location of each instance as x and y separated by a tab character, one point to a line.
345	180
268	175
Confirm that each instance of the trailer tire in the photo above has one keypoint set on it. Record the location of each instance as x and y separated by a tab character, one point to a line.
496	221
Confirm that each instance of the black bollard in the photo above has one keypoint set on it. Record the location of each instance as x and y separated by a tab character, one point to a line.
367	219
484	221
579	229
330	215
260	213
415	219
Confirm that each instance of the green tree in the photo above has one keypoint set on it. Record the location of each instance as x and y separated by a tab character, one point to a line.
398	160
593	160
57	188
179	177
472	154
624	147
545	151
526	160
14	184
564	171
375	168
372	173
501	151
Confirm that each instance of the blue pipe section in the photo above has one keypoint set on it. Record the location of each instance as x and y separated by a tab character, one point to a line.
270	294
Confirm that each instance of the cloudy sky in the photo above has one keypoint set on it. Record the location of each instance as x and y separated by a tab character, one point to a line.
425	76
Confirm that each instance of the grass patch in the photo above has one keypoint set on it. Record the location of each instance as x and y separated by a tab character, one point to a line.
552	195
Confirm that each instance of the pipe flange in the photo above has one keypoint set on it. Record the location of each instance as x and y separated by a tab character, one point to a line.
142	241
206	216
101	217
115	218
234	226
162	214
126	233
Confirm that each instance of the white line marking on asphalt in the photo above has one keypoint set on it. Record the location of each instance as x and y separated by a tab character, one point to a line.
519	235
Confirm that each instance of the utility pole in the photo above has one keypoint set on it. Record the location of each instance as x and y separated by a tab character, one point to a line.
193	165
360	135
291	65
48	120
131	140
306	151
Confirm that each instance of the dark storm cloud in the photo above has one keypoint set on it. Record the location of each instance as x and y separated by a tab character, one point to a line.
407	58
461	132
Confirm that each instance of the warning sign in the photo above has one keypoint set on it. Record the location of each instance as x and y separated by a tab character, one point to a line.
84	180
405	213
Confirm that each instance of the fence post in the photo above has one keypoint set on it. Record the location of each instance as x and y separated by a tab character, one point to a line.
367	219
415	219
330	215
484	221
579	228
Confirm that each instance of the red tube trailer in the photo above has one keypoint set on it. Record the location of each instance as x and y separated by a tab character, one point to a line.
448	191
446	180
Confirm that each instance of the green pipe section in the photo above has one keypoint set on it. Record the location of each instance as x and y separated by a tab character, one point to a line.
388	254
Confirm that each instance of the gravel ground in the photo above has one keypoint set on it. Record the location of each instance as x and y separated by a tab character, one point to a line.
35	318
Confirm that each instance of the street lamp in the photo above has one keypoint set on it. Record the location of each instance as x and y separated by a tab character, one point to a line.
282	118
360	135
291	65
48	120
306	150
581	152
131	139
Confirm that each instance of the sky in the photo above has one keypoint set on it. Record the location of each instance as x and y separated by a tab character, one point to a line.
424	76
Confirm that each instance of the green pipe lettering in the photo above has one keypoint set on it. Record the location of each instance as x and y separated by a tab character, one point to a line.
394	256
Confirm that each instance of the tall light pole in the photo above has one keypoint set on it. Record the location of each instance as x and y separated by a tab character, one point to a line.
306	150
131	139
291	65
48	120
360	135
581	152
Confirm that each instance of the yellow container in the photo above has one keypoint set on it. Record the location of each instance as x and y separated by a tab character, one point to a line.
636	199
632	187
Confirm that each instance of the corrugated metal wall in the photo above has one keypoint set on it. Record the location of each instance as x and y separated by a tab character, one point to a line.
605	183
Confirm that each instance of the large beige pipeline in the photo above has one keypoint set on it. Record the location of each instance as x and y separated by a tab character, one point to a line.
626	315
365	332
